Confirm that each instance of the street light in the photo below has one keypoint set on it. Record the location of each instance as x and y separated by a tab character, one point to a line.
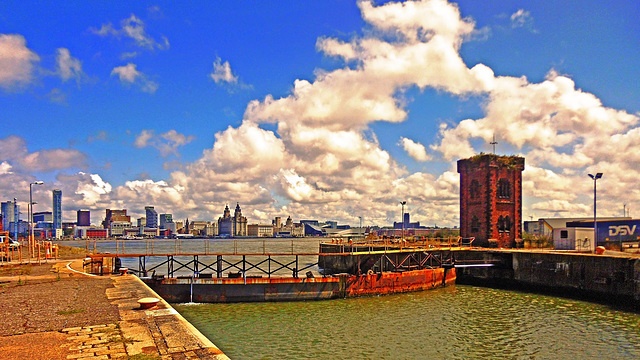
403	203
362	232
31	244
595	220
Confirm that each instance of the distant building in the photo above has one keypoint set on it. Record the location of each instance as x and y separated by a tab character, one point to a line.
491	199
406	223
260	230
57	212
152	217
115	215
6	208
10	216
202	228
118	228
43	216
232	226
87	232
83	218
166	222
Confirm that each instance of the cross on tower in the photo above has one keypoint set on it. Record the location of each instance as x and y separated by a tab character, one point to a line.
494	142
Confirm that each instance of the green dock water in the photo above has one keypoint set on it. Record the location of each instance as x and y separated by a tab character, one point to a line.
458	322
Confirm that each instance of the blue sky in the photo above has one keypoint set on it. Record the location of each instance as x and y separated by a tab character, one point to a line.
325	110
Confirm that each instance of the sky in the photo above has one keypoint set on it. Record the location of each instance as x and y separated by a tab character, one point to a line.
326	110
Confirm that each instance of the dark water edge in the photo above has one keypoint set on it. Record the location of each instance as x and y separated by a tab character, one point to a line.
615	302
457	322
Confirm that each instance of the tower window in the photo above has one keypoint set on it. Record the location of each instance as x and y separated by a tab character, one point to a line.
504	189
504	224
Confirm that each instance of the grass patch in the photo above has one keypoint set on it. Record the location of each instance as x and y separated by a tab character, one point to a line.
13	270
70	312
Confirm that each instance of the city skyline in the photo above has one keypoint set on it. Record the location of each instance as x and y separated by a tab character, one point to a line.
330	110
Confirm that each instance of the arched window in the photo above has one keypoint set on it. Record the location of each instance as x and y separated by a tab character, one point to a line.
500	224
475	224
504	189
507	224
474	190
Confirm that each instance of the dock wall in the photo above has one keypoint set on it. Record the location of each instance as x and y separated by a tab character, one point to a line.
601	277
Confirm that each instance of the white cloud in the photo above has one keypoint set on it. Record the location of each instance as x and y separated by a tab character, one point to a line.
167	143
416	150
521	18
127	73
67	66
16	62
142	140
135	29
222	72
130	74
5	168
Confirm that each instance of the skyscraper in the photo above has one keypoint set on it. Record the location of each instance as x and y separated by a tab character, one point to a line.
7	215
57	212
152	217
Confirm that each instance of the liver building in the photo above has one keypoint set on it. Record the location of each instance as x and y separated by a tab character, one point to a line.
232	226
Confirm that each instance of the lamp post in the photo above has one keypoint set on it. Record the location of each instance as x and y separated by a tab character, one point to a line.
362	232
595	220
31	244
403	203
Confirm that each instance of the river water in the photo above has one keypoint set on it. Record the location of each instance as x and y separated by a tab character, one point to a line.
457	322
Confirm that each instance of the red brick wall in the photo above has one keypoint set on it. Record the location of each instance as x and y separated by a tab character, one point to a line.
487	170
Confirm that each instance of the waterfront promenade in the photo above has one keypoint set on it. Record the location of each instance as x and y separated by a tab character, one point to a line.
53	311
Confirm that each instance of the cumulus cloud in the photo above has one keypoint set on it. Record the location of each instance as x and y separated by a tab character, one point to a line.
416	150
16	62
133	28
320	158
14	150
68	67
129	74
167	143
222	72
86	190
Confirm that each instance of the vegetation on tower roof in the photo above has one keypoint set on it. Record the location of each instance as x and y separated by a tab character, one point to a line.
501	160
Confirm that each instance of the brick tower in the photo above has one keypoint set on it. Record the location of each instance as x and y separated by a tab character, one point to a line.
491	199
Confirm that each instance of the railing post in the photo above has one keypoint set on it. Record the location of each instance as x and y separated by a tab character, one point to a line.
219	266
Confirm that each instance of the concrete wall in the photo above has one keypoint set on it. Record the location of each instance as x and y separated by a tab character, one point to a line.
610	278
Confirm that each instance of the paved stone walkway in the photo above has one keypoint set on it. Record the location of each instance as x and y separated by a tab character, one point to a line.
95	342
159	333
160	330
